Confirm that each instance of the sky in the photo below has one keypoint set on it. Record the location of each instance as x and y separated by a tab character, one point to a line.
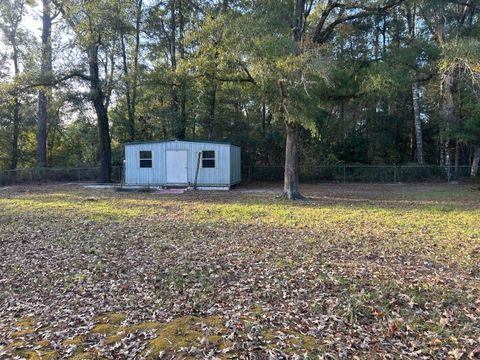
31	22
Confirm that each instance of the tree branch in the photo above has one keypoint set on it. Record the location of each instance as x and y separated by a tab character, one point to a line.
322	33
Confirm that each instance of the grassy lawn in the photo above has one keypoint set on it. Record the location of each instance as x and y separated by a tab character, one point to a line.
356	270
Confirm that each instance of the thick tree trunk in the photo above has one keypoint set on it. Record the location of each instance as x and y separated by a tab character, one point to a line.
43	94
98	99
418	123
476	160
290	183
131	116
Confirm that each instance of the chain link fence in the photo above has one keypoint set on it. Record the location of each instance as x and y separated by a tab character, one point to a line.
364	173
41	175
311	174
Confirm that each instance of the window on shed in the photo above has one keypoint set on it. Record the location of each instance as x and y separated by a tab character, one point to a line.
208	159
145	159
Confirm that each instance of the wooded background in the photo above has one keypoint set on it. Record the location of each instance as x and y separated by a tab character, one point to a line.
326	82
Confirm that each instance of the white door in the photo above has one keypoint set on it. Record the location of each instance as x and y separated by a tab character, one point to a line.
177	167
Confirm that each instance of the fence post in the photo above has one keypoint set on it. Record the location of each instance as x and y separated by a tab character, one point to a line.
344	174
395	174
249	174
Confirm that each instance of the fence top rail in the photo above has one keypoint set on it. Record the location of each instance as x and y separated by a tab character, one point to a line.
254	166
367	166
57	169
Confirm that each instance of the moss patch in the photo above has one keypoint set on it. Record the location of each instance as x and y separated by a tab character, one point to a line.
188	331
257	311
49	355
149	325
115	318
87	355
25	327
25	323
23	332
293	339
41	343
104	329
116	334
112	339
36	355
27	354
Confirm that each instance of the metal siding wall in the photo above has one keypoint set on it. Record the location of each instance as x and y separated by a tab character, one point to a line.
220	175
235	165
239	163
216	176
134	175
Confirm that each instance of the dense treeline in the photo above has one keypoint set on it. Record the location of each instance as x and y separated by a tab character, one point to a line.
322	81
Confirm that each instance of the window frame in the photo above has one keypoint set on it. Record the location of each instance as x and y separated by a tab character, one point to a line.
214	159
140	159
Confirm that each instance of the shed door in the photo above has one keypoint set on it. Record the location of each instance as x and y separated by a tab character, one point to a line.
177	167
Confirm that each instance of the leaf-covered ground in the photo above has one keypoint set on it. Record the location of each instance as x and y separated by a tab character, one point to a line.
356	271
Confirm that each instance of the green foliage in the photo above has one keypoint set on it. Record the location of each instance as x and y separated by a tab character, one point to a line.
462	54
231	70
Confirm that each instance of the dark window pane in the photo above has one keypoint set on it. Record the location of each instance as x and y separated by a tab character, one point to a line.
145	154
208	163
145	163
208	154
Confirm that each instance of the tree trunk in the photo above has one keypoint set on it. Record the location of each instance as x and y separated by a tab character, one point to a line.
182	126
411	21
138	22
290	183
476	160
211	110
264	120
447	114
43	94
418	123
15	134
457	157
173	65
131	117
98	99
16	114
130	72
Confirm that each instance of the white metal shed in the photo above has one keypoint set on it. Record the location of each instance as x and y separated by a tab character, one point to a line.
182	163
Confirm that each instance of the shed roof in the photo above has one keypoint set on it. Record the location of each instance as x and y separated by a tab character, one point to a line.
191	141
